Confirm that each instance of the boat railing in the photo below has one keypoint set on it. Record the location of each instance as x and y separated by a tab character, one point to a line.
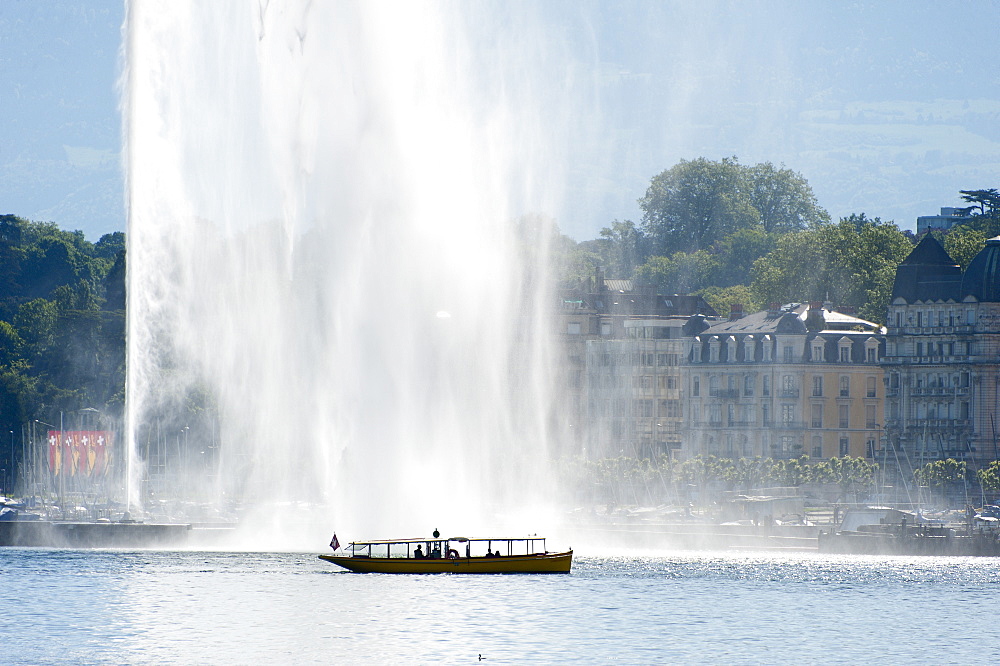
451	548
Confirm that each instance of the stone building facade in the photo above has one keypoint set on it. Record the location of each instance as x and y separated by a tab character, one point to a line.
942	357
784	382
624	345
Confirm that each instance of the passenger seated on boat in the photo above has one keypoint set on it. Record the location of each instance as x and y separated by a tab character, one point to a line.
418	554
436	553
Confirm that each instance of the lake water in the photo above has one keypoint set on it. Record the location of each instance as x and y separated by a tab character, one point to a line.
113	607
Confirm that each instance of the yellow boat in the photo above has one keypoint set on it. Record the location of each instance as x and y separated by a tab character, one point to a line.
454	555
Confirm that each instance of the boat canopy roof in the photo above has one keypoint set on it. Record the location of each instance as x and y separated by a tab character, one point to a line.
439	539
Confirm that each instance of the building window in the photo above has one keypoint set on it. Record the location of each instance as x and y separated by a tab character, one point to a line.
870	390
870	416
713	385
765	385
786	352
788	388
871	355
765	350
748	348
844	420
670	408
817	386
605	328
845	386
696	386
715	414
817	417
845	445
787	414
713	352
765	414
845	353
748	385
573	328
817	353
817	446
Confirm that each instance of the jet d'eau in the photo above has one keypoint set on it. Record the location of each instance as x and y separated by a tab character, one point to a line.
356	308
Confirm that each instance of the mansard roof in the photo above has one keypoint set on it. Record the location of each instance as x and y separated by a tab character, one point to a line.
982	278
788	320
927	273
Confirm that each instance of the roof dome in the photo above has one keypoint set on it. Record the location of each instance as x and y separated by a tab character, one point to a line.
982	278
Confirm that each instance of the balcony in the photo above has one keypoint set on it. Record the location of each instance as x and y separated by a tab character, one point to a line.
724	393
789	393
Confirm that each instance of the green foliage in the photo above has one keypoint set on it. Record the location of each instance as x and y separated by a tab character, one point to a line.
783	199
62	342
680	273
636	480
985	202
733	256
722	298
697	203
939	473
625	249
989	477
852	262
963	243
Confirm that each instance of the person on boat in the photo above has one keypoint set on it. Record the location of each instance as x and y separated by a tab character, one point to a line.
436	553
418	554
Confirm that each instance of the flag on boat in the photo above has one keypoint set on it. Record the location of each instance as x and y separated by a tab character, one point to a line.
334	543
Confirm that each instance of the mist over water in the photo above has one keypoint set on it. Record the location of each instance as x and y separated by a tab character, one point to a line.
330	271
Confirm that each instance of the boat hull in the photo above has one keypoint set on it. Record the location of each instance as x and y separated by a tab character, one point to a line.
539	563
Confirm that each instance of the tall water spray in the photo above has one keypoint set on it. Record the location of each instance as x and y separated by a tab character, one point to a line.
334	295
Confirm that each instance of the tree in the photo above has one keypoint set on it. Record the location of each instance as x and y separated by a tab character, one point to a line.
626	248
987	202
940	473
699	202
694	203
723	298
733	256
989	477
783	199
680	273
963	243
852	262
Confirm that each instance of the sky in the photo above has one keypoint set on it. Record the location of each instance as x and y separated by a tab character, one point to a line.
886	108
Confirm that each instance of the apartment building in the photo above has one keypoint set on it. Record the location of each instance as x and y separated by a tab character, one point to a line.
790	380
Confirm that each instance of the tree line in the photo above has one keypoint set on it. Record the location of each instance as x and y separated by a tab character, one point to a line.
644	481
62	326
756	235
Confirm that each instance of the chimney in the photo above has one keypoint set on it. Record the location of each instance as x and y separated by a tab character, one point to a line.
735	311
815	321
